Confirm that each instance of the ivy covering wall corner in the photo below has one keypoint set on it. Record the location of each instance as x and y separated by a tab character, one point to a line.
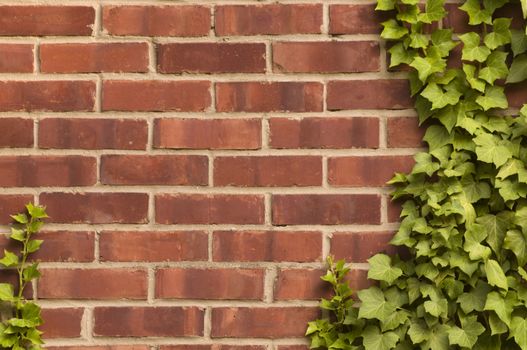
464	217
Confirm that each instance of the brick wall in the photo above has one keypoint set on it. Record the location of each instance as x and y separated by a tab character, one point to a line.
199	160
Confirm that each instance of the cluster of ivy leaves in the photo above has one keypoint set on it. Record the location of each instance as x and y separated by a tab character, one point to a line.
19	318
464	217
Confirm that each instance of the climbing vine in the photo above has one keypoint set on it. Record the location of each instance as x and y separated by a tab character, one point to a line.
19	318
464	216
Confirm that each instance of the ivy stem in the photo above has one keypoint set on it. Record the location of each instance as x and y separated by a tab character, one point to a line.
21	283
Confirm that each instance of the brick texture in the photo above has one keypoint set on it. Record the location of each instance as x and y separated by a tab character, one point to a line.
199	160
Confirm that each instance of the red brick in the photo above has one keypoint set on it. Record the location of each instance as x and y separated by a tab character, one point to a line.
101	347
35	171
457	20
394	210
59	246
62	323
262	322
326	57
209	209
324	133
355	19
516	94
12	204
208	134
148	321
326	209
94	57
301	284
274	246
269	97
54	95
405	132
162	170
212	347
368	171
156	20
211	58
11	276
153	246
46	20
369	94
155	95
16	58
358	279
360	246
268	19
16	132
268	171
92	133
96	208
92	284
217	284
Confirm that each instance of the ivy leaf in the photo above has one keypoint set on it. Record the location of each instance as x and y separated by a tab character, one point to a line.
497	326
472	51
437	308
34	245
518	327
518	71
392	30
394	320
439	97
374	305
400	55
475	299
418	41
375	340
516	241
442	40
6	292
489	149
382	270
468	334
385	5
473	246
20	218
476	14
9	259
518	42
495	302
495	274
513	167
428	66
500	35
496	67
494	98
434	11
496	226
470	74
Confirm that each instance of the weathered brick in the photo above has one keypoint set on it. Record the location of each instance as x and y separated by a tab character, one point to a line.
61	322
360	246
162	321
211	58
269	97
12	204
301	284
404	132
53	95
156	20
16	58
92	284
40	20
153	246
78	133
268	19
155	95
326	57
208	134
221	284
16	132
324	133
368	171
261	322
369	94
268	171
35	171
274	246
96	208
355	19
93	57
209	209
162	170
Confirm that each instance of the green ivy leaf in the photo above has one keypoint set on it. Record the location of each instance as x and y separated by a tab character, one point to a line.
9	259
472	51
496	227
385	5
439	97
475	299
501	34
495	274
468	334
428	66
375	340
518	327
516	241
518	71
496	67
374	305
434	11
6	292
490	149
476	14
518	42
495	302
392	30
400	55
470	74
494	98
381	269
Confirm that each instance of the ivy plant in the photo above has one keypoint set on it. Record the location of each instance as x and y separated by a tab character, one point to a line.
19	318
464	211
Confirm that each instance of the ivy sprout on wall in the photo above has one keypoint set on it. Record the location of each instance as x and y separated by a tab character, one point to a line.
464	212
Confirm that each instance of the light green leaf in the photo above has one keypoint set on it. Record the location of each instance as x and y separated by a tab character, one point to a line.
374	305
467	335
494	98
440	98
428	66
400	55
385	5
475	299
516	241
6	292
518	327
496	67
495	275
434	11
518	71
9	259
472	51
375	340
496	226
490	149
442	39
437	308
476	14
381	269
500	35
518	42
475	83
495	302
392	30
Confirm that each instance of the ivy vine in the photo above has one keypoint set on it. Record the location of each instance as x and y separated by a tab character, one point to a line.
464	217
19	318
